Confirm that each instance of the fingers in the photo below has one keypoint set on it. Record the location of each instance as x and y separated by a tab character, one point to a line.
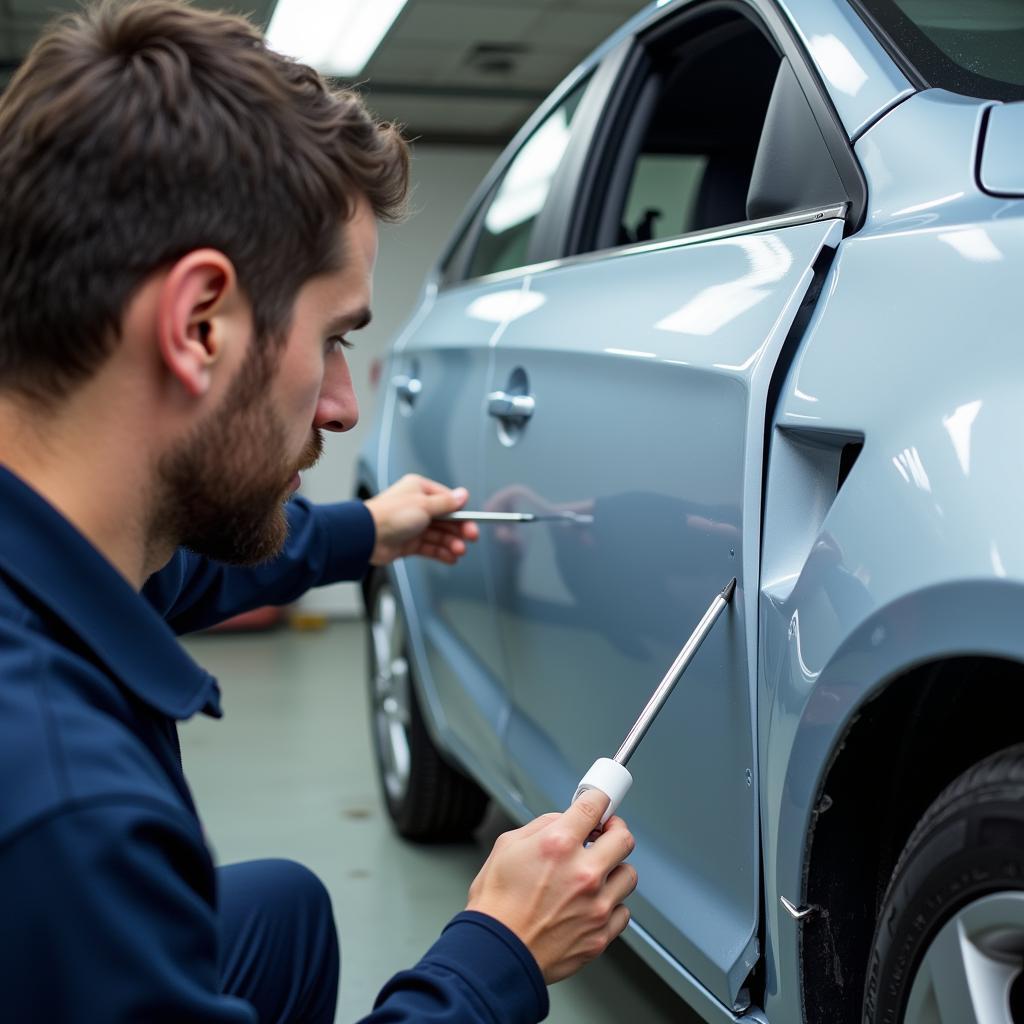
615	842
467	531
442	549
585	813
617	922
621	882
439	500
427	486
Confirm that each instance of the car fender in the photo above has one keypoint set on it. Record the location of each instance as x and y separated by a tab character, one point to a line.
915	553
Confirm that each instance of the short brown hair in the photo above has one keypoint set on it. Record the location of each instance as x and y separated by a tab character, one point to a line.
137	131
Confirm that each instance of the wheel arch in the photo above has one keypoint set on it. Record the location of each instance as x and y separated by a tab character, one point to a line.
950	693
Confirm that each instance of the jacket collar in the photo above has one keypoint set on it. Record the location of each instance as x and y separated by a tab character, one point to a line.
44	554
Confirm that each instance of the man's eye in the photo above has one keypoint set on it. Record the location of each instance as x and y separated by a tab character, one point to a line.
336	344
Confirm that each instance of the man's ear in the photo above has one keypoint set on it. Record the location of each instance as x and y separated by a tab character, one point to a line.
198	317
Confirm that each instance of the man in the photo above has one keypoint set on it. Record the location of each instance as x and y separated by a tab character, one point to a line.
187	235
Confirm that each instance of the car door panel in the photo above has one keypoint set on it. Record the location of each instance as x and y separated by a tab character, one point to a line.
437	380
649	373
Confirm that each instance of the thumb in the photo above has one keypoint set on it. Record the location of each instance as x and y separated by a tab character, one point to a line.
445	501
584	816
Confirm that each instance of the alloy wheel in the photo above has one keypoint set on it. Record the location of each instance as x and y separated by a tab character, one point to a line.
971	972
391	711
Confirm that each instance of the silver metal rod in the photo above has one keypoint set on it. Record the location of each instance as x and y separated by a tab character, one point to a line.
467	516
665	687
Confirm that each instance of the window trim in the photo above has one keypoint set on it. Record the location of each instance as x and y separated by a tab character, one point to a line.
895	52
747	227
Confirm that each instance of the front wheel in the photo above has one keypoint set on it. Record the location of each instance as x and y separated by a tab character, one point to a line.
427	798
949	945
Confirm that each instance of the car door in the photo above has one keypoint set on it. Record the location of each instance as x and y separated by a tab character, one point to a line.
438	376
435	381
627	409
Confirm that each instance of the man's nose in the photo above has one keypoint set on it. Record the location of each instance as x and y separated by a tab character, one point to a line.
337	408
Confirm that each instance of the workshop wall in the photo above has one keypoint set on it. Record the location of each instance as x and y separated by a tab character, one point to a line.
444	178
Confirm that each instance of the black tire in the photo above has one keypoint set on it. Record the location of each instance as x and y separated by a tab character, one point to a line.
965	858
430	800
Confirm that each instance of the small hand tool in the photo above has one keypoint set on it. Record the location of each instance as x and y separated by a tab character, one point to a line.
467	516
610	774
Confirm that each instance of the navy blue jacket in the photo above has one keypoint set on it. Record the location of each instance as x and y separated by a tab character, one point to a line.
107	889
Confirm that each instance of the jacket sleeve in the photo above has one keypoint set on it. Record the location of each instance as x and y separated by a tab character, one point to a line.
114	908
326	544
478	972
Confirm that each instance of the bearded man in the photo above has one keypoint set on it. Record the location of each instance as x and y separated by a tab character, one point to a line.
188	229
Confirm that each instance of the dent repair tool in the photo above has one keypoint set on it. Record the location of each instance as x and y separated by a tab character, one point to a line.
610	774
517	517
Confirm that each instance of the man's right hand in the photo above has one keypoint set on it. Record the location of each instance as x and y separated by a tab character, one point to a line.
561	898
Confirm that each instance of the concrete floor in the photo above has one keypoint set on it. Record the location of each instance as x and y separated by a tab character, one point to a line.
287	773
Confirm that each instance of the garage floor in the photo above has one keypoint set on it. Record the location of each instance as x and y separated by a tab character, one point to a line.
287	773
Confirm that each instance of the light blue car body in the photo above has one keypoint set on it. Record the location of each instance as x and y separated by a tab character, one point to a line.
654	369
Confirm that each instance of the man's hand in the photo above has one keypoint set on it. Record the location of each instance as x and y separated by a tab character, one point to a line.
561	898
404	516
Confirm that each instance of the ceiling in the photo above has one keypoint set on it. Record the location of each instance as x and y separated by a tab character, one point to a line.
451	71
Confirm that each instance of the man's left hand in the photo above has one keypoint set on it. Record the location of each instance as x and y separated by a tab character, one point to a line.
405	518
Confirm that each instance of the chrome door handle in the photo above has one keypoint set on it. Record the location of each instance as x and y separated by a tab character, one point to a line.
510	407
408	388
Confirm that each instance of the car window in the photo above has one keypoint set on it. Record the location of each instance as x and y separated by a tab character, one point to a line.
662	195
453	266
508	221
974	48
685	155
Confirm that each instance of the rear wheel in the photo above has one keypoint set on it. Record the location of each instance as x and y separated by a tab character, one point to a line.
427	798
949	946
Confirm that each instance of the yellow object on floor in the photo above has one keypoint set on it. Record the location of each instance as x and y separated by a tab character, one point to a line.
307	621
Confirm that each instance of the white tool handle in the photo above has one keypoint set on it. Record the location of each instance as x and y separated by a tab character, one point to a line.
611	778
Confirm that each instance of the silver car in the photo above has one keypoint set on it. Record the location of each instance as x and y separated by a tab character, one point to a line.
743	299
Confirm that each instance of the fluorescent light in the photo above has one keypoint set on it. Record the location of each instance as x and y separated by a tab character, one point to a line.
337	37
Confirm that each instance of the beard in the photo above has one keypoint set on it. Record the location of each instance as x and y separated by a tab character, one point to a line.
224	488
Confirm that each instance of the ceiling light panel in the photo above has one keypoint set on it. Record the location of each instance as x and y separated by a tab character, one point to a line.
337	37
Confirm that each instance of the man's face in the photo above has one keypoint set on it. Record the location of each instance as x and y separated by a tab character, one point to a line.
225	486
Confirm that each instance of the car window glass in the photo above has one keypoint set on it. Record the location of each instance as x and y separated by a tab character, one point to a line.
456	261
974	48
662	194
702	112
510	217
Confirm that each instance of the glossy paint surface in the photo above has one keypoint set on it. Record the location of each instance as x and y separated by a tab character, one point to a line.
651	374
914	346
861	78
436	434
